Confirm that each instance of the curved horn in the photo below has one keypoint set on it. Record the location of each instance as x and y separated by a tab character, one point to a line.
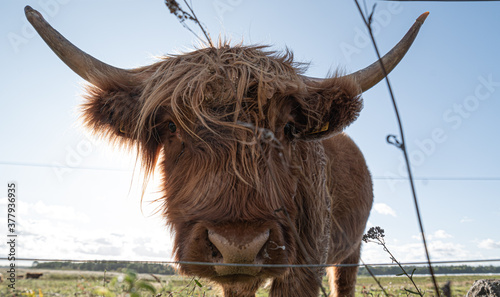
373	74
87	67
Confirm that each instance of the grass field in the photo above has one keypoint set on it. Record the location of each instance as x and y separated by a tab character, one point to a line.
92	284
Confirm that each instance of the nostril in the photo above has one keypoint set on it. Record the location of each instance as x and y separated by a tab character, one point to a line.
215	252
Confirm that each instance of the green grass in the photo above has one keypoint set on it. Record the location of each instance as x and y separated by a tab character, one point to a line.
91	284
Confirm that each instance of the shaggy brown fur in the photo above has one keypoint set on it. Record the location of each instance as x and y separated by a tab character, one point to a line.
242	139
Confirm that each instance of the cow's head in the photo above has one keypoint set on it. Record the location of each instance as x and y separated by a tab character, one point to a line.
234	131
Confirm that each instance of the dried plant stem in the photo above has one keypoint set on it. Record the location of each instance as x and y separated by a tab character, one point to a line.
376	235
207	36
401	267
182	15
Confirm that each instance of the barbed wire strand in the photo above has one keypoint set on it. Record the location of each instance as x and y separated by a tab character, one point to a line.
376	177
418	263
401	145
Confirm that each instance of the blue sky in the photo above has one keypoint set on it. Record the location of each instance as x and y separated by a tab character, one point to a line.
79	198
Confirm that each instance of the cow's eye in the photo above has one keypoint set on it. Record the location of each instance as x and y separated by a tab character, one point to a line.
290	130
172	127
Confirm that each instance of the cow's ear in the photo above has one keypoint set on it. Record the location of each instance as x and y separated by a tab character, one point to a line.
112	112
329	108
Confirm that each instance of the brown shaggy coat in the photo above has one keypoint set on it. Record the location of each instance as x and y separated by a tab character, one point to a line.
242	141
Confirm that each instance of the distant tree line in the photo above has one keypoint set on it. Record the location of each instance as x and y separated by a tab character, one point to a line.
108	266
460	269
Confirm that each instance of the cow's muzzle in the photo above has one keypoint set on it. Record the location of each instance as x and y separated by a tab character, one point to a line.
237	249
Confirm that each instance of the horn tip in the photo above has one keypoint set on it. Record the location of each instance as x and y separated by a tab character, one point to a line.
30	12
422	17
28	9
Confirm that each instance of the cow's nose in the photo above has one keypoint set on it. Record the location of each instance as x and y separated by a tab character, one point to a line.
240	249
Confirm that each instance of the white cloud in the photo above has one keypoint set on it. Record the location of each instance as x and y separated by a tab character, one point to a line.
409	252
489	244
414	252
56	231
384	209
49	239
441	247
447	250
466	219
55	212
439	234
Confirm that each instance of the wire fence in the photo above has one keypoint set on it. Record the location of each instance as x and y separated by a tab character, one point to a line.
399	143
254	265
376	177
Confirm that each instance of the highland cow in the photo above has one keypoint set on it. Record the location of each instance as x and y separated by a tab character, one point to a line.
255	166
33	275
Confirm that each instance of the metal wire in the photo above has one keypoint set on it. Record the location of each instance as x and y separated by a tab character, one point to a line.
377	177
254	265
400	144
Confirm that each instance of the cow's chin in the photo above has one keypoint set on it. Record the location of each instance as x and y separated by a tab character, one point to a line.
258	274
202	242
237	279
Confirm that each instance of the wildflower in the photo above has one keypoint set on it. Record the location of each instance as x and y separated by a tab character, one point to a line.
374	233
